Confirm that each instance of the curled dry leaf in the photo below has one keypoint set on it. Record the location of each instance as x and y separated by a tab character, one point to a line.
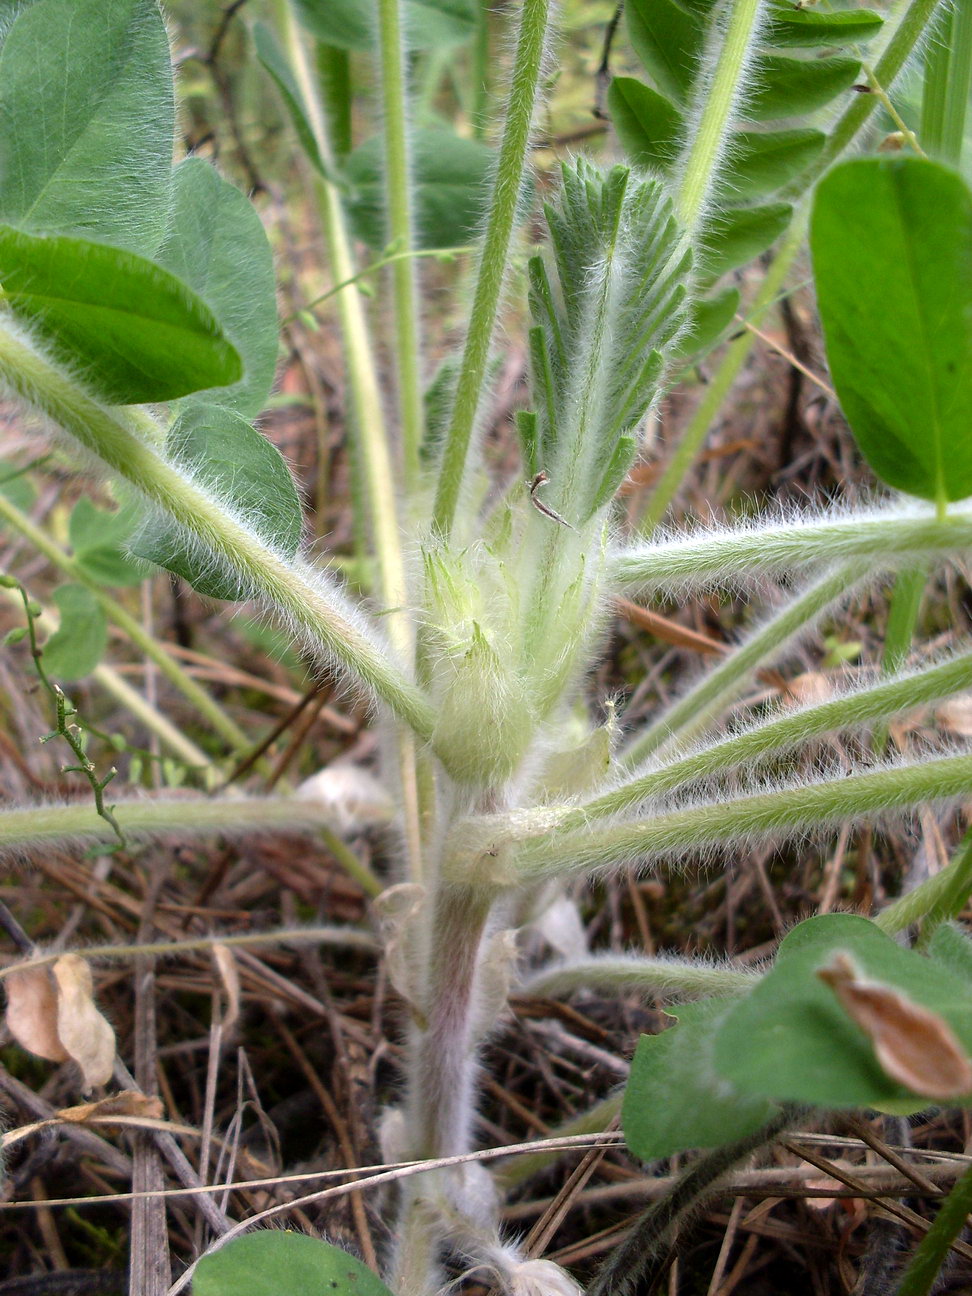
32	1012
230	977
83	1031
915	1046
127	1103
955	715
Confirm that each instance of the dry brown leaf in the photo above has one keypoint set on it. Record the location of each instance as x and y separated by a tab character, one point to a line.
83	1031
32	1012
808	689
955	715
914	1045
229	974
129	1102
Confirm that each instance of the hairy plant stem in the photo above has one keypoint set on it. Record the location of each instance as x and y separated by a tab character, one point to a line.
372	447
781	812
317	610
933	1250
694	562
939	898
719	686
117	613
720	95
507	185
440	1103
863	706
637	1261
43	825
615	973
905	607
441	1071
394	99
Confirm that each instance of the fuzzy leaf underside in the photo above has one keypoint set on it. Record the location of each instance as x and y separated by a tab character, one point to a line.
216	243
87	121
228	455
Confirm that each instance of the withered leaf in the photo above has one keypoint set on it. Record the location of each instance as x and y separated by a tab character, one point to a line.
83	1031
915	1046
32	1012
129	1102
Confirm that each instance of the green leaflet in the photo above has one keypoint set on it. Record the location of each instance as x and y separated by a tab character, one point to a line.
668	40
88	121
675	1099
808	28
228	455
892	251
598	344
348	24
78	644
136	332
450	189
791	1038
275	1263
99	538
790	87
215	243
271	56
649	126
736	235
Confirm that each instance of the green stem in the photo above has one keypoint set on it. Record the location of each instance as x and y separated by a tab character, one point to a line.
939	898
884	99
479	102
613	974
637	1262
234	817
507	187
902	620
370	884
934	86
933	1249
133	702
720	685
130	626
959	81
595	1120
719	97
371	449
780	813
334	75
696	562
907	35
314	606
779	735
399	208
